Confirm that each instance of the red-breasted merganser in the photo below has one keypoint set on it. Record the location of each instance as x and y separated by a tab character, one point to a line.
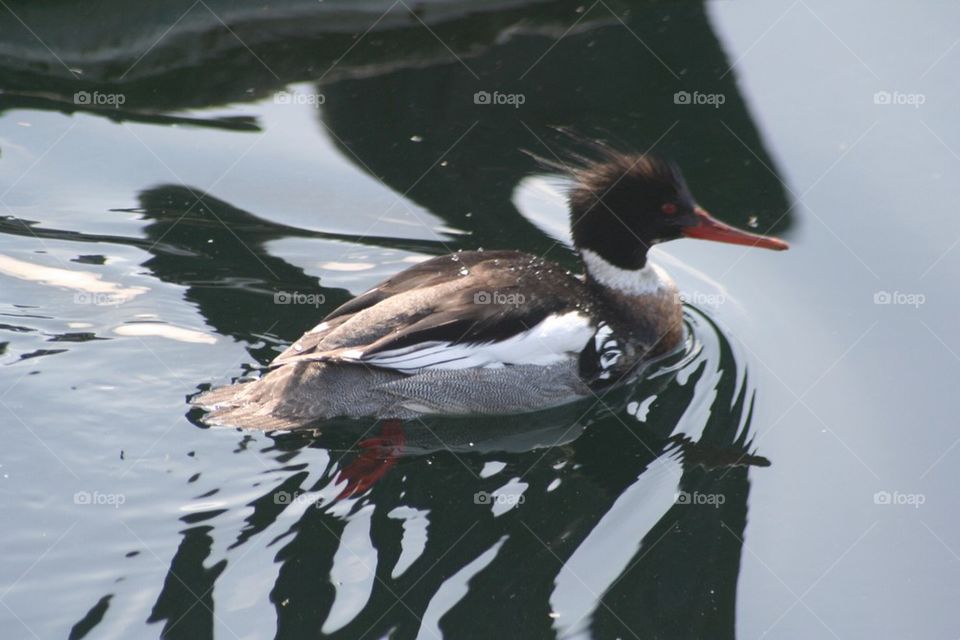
495	332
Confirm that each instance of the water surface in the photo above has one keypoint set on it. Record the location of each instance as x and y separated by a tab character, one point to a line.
165	172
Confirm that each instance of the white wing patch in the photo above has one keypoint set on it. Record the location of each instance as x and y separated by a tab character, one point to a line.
555	339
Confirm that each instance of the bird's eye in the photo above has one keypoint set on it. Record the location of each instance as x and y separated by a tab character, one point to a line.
668	208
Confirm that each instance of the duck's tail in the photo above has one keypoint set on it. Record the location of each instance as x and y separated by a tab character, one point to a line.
250	405
298	394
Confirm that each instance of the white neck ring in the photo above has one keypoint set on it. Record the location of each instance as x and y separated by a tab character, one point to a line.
636	282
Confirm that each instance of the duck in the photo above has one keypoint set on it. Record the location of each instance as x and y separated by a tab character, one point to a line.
496	332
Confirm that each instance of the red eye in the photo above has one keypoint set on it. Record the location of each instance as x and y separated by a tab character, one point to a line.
668	208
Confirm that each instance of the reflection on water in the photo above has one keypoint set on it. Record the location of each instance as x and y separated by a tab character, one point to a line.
615	517
537	515
599	79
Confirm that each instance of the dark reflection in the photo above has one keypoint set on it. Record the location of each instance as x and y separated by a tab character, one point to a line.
679	583
613	75
218	252
92	619
680	580
396	83
185	605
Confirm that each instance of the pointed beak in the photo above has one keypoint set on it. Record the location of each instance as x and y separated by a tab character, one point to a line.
709	228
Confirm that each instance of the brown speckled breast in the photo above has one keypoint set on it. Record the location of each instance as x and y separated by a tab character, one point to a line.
648	325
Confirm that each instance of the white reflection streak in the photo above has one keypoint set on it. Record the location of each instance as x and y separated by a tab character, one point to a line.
602	557
413	540
453	591
353	571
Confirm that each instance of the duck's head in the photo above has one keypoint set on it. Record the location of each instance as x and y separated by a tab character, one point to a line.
625	204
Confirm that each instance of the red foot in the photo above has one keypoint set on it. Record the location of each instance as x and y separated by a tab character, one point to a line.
377	456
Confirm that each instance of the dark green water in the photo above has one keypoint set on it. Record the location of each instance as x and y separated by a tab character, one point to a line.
166	171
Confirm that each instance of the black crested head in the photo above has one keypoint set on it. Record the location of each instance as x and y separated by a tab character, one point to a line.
622	204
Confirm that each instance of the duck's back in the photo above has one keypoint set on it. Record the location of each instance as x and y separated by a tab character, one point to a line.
472	333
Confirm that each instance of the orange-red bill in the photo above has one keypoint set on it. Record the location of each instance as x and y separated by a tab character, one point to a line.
712	229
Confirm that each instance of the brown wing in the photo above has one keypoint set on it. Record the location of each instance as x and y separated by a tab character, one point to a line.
470	297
